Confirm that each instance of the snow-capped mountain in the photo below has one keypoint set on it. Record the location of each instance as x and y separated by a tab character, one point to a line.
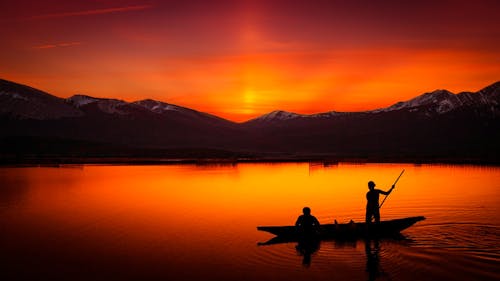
143	123
428	104
435	123
23	102
443	101
167	109
123	108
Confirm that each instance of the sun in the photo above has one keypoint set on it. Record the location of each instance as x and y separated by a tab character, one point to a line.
249	101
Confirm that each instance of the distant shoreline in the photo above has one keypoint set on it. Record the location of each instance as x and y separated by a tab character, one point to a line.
325	161
36	151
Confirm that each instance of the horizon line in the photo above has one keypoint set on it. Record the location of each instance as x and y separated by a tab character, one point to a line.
276	110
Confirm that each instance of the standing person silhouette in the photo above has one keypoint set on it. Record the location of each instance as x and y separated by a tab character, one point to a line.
372	207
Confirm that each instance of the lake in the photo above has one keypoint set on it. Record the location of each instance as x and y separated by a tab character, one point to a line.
198	222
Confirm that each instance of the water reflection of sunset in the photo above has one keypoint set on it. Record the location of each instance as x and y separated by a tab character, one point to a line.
178	196
186	216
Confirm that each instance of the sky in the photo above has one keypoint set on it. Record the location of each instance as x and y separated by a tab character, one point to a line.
241	59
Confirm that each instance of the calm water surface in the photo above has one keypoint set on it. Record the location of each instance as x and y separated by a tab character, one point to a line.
189	222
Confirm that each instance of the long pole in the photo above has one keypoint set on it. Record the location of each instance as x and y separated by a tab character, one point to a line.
391	188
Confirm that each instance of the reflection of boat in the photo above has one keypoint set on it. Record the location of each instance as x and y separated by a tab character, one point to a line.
350	230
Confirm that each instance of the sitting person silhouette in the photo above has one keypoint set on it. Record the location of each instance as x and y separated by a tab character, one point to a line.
307	224
372	207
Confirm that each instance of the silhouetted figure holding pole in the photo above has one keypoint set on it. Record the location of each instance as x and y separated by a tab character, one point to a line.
307	224
372	207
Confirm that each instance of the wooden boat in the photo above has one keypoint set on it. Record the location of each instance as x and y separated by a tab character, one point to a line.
352	230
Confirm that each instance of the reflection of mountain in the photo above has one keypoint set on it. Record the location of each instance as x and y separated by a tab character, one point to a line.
434	125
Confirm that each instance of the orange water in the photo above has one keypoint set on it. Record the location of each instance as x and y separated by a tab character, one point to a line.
187	222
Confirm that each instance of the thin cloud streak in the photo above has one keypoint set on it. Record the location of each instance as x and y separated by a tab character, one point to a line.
51	46
92	12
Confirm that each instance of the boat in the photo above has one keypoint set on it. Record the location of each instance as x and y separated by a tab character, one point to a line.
351	230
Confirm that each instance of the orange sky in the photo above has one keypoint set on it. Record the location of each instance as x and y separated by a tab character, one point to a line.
241	59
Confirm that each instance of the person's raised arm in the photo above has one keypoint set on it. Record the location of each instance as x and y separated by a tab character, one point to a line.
387	192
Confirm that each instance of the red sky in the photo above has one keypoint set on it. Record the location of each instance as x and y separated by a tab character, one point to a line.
241	59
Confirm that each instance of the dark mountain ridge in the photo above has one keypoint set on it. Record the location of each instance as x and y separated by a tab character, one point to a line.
435	125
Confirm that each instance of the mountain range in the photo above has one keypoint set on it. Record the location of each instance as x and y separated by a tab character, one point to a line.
438	125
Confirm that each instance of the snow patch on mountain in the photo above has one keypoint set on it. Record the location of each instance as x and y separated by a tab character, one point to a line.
278	115
158	107
13	95
110	106
326	114
81	100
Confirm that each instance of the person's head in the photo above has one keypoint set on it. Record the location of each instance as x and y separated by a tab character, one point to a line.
371	185
306	211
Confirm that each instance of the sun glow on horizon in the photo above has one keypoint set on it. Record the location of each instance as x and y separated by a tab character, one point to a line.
241	59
